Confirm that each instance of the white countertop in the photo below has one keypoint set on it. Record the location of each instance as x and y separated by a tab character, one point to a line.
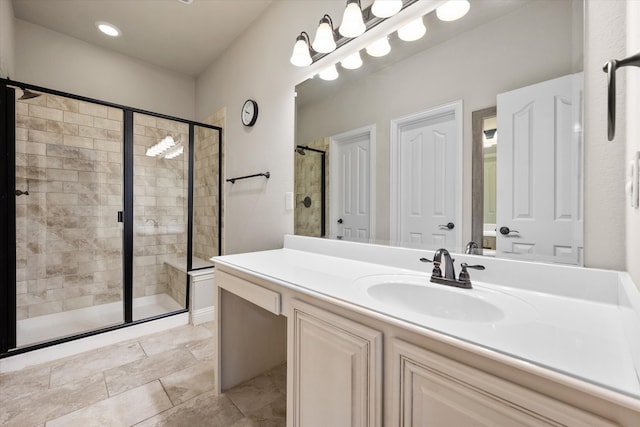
585	333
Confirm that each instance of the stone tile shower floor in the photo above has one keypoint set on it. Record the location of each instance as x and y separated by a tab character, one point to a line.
164	379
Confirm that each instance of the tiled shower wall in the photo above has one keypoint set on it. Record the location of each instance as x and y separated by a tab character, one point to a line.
205	193
68	156
219	119
160	206
308	175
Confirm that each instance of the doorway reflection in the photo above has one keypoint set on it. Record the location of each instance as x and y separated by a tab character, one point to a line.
489	148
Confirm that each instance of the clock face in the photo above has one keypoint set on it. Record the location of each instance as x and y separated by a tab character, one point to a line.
249	112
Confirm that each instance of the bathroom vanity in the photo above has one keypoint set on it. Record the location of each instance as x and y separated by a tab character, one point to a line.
369	341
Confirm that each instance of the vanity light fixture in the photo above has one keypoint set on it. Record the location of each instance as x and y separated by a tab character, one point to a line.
324	42
108	29
379	48
352	23
301	56
352	62
412	31
386	8
329	73
452	10
166	143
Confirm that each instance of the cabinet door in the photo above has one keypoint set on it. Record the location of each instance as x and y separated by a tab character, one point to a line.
431	390
337	370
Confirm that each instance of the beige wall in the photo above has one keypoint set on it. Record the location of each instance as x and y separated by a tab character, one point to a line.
604	219
633	135
257	66
53	60
6	39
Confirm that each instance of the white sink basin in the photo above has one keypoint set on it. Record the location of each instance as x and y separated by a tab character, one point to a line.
438	302
414	293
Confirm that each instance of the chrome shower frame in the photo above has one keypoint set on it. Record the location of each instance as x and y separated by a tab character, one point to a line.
9	192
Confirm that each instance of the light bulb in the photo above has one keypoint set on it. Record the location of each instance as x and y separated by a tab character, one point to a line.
386	8
414	30
379	48
329	73
301	56
108	29
452	10
324	41
352	61
352	22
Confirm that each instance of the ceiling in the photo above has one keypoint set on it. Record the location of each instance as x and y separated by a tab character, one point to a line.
184	38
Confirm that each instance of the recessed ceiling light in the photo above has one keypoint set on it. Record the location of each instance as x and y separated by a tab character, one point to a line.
108	29
186	1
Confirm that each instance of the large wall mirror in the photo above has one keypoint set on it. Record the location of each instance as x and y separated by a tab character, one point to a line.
405	149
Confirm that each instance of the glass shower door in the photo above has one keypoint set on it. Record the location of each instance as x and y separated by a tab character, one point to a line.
160	215
69	190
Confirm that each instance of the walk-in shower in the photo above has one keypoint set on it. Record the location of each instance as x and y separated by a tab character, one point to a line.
310	190
101	227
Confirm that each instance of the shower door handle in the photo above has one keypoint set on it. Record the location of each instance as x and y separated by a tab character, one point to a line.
120	216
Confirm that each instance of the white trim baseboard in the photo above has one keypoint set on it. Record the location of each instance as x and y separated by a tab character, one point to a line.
202	315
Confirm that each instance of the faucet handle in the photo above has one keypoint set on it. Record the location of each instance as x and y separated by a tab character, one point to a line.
464	265
464	274
436	267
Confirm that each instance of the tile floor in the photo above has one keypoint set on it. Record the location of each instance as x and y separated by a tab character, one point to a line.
164	379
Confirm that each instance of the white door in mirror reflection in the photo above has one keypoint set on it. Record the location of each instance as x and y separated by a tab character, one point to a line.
426	149
350	175
539	209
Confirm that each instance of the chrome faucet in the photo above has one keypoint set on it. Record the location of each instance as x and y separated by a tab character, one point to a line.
442	256
472	248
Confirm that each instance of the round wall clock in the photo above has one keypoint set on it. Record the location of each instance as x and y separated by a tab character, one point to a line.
249	112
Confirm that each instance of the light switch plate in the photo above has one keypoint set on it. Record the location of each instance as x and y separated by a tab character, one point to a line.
636	180
633	184
288	200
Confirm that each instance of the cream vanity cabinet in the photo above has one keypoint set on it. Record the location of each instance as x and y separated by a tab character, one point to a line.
431	390
337	369
341	373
